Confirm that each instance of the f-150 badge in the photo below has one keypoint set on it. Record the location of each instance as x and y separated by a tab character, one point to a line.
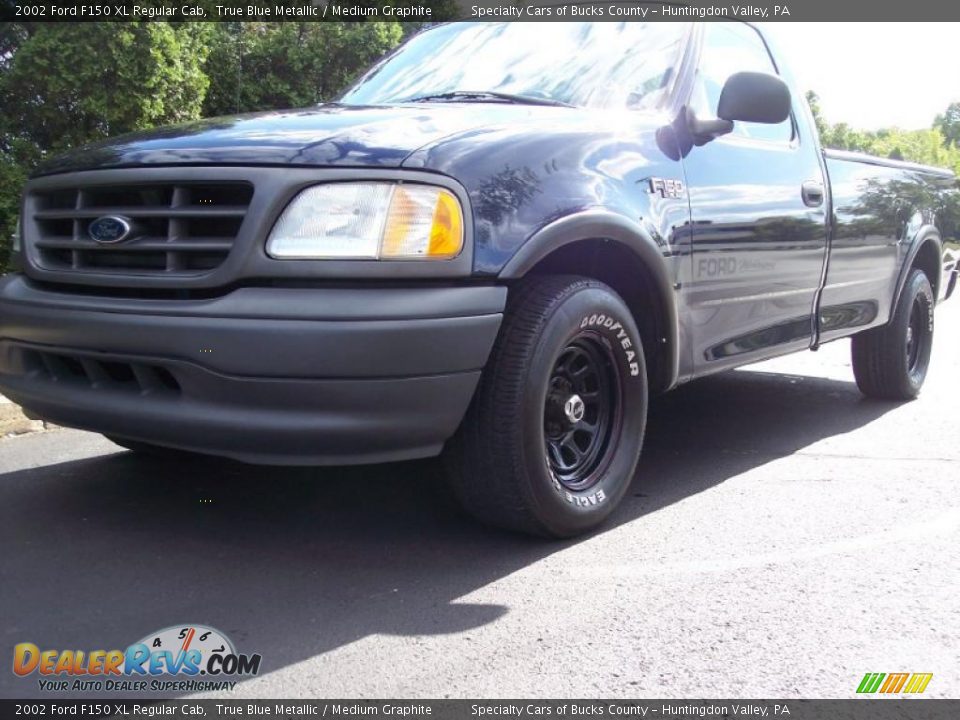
666	187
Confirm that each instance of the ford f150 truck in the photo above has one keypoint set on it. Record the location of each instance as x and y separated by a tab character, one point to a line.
495	246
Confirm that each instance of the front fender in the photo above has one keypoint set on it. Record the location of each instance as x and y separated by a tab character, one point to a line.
605	225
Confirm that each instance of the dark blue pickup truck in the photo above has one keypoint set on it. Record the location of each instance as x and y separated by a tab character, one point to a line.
495	246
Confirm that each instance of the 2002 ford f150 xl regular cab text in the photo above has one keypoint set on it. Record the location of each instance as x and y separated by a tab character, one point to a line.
496	245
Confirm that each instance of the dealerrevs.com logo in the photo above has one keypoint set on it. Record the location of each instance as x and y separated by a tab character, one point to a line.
182	658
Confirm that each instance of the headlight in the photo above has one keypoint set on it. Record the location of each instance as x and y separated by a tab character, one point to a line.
369	220
15	242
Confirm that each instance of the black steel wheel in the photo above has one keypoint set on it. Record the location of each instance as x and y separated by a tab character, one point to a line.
919	338
582	412
551	441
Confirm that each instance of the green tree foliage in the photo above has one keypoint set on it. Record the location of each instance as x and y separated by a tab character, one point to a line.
12	176
263	66
813	100
930	147
949	124
72	83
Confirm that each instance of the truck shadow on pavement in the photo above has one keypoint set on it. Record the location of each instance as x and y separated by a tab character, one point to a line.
292	563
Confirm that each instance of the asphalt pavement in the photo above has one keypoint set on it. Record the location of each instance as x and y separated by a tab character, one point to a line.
783	537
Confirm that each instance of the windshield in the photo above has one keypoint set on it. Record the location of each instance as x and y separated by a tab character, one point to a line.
597	65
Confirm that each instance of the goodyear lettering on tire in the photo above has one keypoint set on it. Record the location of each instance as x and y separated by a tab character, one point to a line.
610	323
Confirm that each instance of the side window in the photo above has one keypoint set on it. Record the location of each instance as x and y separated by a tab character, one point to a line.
729	48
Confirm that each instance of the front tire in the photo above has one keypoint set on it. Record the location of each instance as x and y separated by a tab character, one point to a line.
890	362
551	441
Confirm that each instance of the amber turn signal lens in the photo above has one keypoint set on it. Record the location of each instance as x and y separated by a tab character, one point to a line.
423	222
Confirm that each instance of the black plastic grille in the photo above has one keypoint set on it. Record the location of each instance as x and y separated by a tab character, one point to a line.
176	228
98	373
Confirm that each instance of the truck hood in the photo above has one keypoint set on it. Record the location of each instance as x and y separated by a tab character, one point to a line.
328	135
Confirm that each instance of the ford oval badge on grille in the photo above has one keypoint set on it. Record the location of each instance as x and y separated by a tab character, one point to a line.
109	229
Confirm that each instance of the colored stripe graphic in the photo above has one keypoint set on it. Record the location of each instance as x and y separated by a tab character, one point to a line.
894	683
870	682
918	683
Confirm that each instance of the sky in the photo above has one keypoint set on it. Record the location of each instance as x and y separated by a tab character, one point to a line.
873	75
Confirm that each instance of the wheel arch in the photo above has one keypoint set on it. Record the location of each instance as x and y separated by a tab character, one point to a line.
616	251
926	253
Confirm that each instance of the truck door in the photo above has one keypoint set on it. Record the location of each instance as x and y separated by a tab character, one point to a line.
759	230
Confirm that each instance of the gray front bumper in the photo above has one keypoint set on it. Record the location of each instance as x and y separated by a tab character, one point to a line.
265	375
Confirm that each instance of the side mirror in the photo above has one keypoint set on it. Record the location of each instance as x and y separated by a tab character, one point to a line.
748	97
754	97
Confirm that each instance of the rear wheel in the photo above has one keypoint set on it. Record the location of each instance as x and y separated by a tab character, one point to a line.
891	362
551	441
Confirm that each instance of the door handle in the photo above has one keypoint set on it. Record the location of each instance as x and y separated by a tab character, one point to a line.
812	193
